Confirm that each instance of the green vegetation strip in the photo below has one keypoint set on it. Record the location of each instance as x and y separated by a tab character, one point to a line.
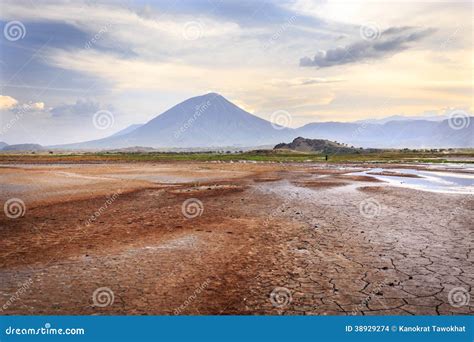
257	156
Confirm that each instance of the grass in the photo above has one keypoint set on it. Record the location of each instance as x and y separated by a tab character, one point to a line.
388	156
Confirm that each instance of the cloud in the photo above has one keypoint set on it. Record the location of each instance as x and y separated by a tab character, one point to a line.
112	26
7	102
36	122
302	81
316	80
389	42
139	58
82	108
38	106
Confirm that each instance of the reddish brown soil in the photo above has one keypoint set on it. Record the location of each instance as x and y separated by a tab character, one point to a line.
257	231
359	178
320	183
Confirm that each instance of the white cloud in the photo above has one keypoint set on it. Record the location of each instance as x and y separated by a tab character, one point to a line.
149	53
7	102
38	105
302	81
156	35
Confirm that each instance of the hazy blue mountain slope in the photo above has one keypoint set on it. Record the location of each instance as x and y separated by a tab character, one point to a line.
212	121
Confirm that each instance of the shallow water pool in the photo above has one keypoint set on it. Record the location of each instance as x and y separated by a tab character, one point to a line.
436	181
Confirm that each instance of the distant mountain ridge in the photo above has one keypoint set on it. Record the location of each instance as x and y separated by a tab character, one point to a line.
395	134
211	121
404	118
23	147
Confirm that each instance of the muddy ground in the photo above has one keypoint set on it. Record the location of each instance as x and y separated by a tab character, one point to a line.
215	238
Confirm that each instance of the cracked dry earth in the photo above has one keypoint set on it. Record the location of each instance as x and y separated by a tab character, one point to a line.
271	239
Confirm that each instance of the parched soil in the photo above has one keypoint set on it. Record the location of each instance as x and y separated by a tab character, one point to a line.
320	183
359	178
202	238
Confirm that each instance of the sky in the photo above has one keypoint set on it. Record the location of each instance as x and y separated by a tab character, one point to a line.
62	62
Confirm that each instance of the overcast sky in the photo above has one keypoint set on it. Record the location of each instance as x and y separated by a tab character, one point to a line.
61	62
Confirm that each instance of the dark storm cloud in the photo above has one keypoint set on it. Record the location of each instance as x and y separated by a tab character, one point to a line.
389	42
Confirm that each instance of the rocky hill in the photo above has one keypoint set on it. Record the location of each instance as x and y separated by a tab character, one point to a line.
316	146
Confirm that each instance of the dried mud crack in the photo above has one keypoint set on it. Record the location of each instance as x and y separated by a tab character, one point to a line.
255	233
